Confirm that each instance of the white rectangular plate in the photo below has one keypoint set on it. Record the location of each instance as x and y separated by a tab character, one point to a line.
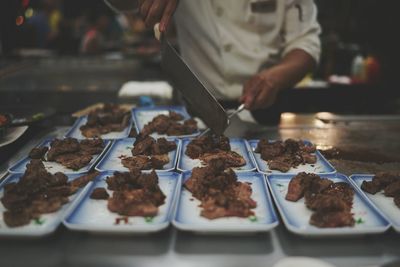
53	167
187	215
144	115
75	132
122	148
47	223
296	215
239	146
383	203
322	166
93	215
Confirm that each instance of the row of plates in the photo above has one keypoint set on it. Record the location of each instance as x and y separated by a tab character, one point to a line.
140	117
373	214
110	159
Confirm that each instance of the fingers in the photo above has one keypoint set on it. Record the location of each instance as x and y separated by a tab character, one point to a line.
258	93
166	18
250	92
144	7
155	13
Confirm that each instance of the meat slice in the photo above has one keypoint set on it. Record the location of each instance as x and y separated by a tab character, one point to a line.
142	146
392	189
74	161
332	219
140	162
16	218
279	165
99	193
59	147
83	180
371	187
230	158
38	152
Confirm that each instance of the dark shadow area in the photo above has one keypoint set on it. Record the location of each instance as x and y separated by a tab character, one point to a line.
223	244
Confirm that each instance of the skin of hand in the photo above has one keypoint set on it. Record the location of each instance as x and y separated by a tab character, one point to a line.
154	11
261	90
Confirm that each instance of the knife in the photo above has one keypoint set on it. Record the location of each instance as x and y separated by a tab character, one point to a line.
193	90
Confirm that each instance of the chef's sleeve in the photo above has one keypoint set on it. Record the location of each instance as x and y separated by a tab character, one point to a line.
301	29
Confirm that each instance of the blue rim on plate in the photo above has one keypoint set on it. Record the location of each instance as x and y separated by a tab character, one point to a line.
47	223
187	212
93	215
322	166
53	167
238	145
150	112
384	204
296	215
75	132
111	161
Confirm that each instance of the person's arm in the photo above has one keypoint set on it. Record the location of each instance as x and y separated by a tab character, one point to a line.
152	11
300	55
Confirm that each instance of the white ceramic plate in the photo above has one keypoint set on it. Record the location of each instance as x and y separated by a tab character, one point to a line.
53	167
240	146
93	215
144	115
296	215
47	223
383	203
75	132
122	148
187	215
322	166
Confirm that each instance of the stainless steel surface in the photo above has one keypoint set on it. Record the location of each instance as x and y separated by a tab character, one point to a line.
175	248
193	90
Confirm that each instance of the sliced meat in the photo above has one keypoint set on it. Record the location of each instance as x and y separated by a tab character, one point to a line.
99	193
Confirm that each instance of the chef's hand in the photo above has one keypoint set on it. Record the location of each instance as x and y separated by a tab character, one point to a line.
154	11
262	89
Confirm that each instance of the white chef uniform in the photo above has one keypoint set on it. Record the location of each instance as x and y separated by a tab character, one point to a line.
225	42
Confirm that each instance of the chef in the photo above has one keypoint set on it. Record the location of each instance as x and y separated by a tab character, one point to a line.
245	50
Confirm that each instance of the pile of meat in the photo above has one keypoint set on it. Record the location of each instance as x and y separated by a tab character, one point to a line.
109	118
331	202
219	191
173	124
69	152
134	193
149	153
389	183
282	156
209	147
38	192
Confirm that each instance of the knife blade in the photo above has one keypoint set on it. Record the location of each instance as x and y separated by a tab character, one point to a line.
193	90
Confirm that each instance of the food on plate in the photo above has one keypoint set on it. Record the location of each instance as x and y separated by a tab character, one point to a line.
109	118
69	152
220	192
149	153
134	193
99	193
38	192
172	124
210	147
388	182
331	202
283	155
